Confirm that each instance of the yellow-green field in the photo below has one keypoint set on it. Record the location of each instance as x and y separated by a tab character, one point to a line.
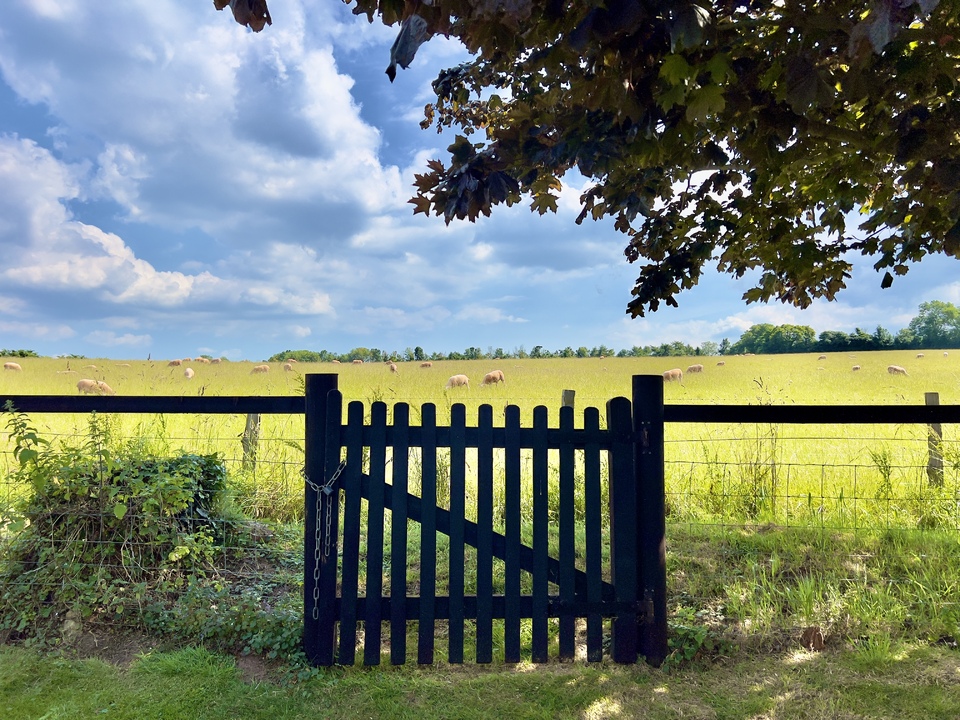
841	476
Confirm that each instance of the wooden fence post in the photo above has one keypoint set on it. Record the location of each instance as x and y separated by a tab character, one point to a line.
568	398
319	650
934	449
249	441
650	512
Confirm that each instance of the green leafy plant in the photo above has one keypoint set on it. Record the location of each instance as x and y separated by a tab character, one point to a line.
691	641
101	529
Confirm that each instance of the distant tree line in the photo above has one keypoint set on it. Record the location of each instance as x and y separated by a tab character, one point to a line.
937	325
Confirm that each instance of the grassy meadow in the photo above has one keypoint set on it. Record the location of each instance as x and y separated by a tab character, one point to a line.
837	476
813	572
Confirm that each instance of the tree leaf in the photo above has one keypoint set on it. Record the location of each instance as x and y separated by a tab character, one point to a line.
119	510
675	69
704	102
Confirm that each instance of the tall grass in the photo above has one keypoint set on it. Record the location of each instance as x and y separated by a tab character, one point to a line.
823	475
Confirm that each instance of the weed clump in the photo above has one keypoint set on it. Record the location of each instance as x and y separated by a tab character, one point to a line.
100	530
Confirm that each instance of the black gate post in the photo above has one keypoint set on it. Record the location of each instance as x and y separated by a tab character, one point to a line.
651	515
318	639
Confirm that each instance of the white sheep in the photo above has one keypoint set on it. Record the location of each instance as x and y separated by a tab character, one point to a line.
105	389
288	367
88	386
12	366
335	362
698	368
214	361
896	370
919	355
259	369
674	374
188	373
358	362
203	360
493	377
822	357
856	368
175	363
721	363
393	368
426	364
457	381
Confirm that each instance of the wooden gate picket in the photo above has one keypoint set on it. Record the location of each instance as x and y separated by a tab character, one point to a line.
332	595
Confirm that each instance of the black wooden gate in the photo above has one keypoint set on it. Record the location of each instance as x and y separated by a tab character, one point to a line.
347	463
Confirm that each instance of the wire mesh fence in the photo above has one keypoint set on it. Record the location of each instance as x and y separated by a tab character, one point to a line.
727	476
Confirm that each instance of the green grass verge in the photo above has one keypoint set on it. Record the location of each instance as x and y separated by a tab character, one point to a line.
906	681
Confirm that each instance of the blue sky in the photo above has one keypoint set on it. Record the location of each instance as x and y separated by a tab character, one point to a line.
172	184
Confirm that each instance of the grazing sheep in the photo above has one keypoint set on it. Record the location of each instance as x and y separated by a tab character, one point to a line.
822	357
698	368
896	370
123	364
105	389
288	367
457	381
292	360
258	369
89	367
188	373
945	354
721	363
919	355
12	366
427	364
393	368
855	368
493	377
358	362
175	363
671	375
187	359
203	360
215	361
88	386
335	362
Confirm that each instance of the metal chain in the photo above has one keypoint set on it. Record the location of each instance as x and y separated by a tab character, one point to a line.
325	490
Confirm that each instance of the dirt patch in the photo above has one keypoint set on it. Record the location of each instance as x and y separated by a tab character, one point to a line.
116	648
254	669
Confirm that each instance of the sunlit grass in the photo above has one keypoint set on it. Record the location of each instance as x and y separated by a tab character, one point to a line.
862	476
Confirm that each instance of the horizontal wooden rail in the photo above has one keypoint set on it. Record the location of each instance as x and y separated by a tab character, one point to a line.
294	405
212	405
813	414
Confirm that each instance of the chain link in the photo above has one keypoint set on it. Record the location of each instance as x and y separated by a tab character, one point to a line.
322	545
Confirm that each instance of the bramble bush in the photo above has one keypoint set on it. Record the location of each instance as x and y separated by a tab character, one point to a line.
102	528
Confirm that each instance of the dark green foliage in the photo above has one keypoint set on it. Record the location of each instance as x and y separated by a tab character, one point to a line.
101	529
739	135
18	353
